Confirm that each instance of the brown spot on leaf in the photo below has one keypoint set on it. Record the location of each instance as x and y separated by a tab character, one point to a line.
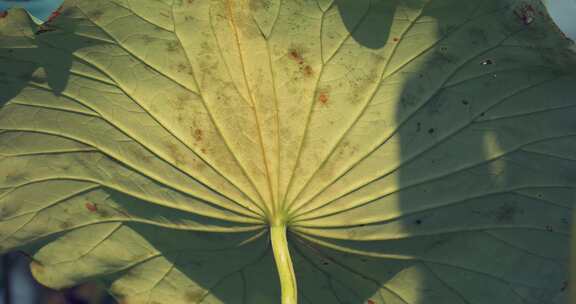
323	98
175	154
370	302
395	39
181	67
308	70
91	207
198	135
203	150
296	56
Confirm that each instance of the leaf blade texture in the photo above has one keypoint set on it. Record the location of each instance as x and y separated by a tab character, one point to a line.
414	151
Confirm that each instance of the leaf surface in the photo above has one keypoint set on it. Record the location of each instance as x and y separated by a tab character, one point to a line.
416	151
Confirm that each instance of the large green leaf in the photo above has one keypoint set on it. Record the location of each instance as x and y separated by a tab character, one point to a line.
375	151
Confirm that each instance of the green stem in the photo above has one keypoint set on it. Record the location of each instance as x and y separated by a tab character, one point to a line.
284	264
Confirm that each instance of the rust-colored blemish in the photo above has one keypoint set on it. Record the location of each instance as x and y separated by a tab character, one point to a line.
91	207
308	70
396	39
296	56
203	150
198	134
370	302
323	98
3	14
175	153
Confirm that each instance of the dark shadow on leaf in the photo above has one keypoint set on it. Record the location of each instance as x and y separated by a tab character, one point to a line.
463	207
368	21
46	60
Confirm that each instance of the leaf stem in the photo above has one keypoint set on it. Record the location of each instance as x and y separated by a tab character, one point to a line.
284	264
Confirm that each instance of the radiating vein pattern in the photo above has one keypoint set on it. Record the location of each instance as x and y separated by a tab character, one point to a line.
420	151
